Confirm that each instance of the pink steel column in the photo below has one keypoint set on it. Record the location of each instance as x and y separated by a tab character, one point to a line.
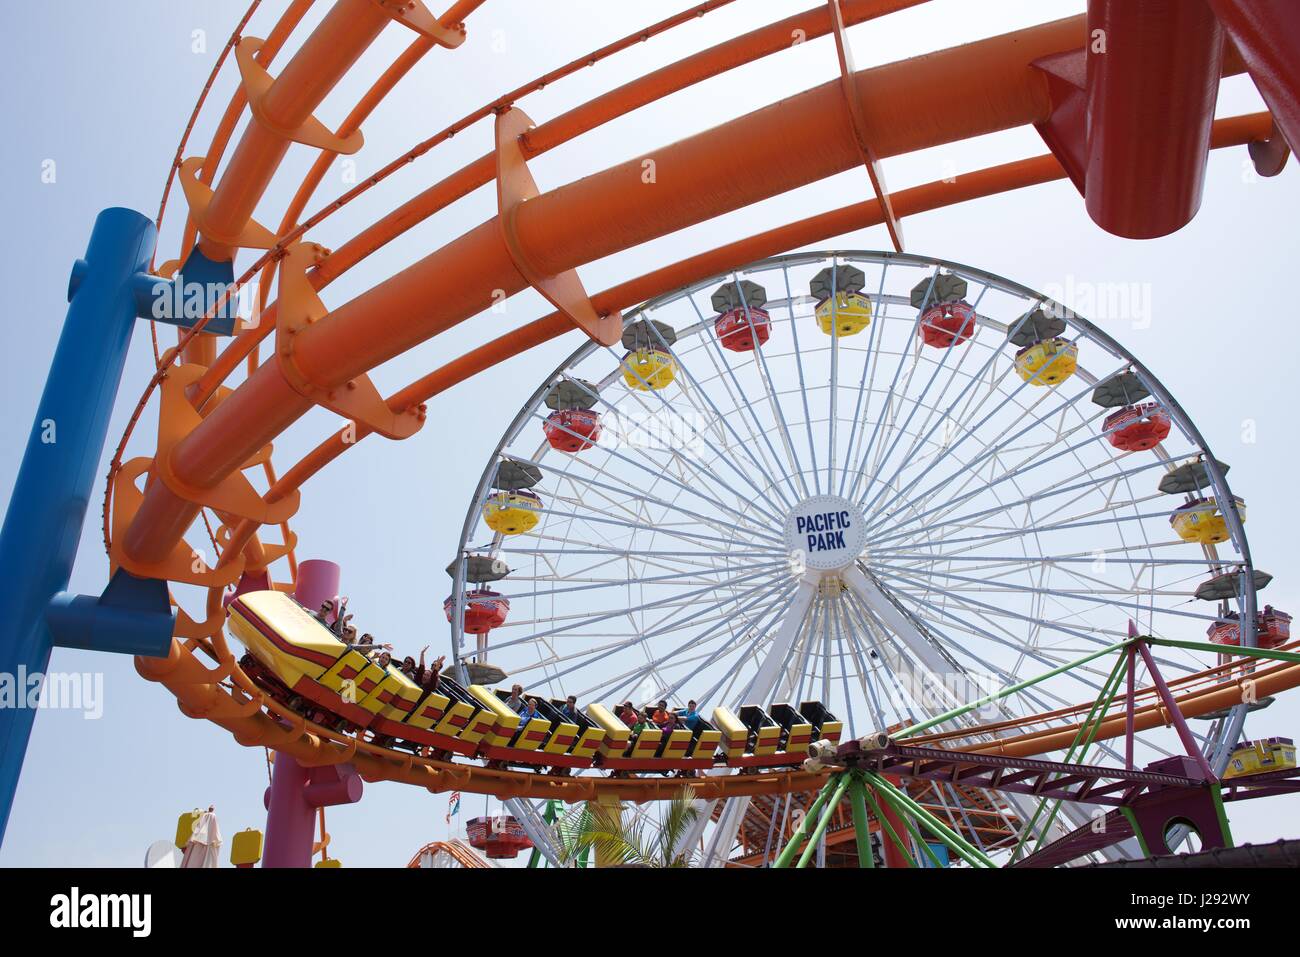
297	792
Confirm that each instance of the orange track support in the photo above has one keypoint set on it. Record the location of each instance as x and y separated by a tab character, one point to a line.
952	94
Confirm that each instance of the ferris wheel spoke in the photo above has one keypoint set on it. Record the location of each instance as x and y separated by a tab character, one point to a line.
748	534
1065	487
803	381
656	468
892	664
660	529
619	613
739	397
768	613
595	655
1046	623
869	364
898	434
658	579
889	413
974	380
926	431
1027	465
995	446
724	421
1007	639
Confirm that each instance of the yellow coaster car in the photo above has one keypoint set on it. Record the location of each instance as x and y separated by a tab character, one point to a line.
1257	757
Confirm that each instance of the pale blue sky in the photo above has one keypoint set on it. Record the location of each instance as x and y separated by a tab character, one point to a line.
103	90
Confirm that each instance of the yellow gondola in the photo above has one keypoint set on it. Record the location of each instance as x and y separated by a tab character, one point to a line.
646	369
512	513
1049	362
848	312
1201	521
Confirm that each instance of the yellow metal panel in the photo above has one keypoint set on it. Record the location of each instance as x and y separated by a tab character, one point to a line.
185	827
504	721
590	742
706	744
246	847
734	734
768	739
408	693
562	738
533	735
459	720
679	742
647	743
799	738
432	709
616	732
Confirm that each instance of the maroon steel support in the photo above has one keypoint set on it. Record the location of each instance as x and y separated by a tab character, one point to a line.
1129	718
1175	713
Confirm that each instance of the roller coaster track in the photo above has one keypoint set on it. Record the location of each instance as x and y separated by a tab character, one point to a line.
946	96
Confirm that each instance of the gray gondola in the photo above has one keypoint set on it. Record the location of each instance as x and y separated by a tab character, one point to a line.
1189	477
481	569
1228	585
1038	326
572	394
735	294
843	279
648	334
1126	388
513	475
944	287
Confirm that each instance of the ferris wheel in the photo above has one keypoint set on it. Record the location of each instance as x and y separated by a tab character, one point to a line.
879	481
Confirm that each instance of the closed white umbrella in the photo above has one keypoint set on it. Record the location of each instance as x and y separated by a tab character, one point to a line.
204	845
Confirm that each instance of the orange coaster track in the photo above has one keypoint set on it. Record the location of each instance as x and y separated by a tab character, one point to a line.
213	429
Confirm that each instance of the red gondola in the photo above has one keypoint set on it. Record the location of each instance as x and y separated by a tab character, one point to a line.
1272	629
498	837
742	331
947	324
1137	427
484	610
572	430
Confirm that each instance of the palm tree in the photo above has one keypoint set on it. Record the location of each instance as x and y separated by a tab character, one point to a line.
631	842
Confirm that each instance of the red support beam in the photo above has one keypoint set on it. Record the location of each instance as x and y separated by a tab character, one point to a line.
1152	80
1267	35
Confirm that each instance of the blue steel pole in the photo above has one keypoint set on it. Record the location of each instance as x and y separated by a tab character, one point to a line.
43	523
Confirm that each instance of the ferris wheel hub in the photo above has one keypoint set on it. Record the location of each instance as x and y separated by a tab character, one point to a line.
825	533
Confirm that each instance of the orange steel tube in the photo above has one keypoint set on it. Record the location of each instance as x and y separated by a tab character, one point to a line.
325	57
404	218
949	95
945	96
661	83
